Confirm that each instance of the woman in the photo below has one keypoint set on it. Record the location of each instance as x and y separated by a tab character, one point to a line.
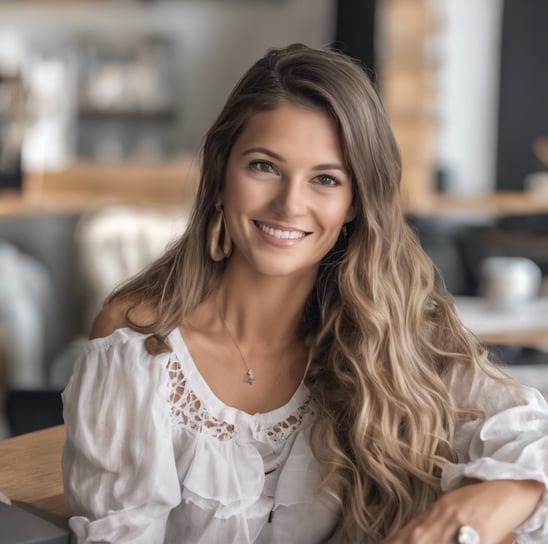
292	370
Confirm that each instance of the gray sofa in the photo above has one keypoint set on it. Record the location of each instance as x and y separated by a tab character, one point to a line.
48	238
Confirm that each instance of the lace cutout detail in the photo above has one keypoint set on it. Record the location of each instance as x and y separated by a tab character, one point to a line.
281	430
188	411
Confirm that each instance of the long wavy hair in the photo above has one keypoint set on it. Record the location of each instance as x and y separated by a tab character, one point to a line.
382	329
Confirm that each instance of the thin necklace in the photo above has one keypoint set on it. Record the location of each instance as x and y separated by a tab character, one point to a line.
249	375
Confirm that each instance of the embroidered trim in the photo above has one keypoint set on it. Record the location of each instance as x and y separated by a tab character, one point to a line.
188	411
280	431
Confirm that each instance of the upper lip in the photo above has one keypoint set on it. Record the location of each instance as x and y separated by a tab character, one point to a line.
277	226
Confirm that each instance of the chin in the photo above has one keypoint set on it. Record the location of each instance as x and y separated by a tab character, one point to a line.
278	268
277	264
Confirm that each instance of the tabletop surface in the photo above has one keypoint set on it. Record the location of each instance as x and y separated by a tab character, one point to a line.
30	469
527	326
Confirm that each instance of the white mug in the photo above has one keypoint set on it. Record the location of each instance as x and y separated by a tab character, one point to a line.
509	283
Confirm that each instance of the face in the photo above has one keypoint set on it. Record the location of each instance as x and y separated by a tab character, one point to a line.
287	192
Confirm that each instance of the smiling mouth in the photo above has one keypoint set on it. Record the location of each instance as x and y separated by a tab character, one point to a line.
281	234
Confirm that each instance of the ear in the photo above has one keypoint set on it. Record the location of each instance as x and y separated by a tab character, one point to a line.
351	213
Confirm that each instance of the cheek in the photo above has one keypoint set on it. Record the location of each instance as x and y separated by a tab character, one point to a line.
243	203
242	194
336	214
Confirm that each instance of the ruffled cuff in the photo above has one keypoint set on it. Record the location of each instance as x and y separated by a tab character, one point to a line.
118	528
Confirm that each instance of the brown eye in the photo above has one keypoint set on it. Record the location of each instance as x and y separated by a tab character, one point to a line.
328	181
263	166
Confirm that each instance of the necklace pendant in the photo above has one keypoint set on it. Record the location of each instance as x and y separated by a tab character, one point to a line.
250	377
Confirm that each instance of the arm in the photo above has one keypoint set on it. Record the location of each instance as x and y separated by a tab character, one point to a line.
119	470
500	480
494	508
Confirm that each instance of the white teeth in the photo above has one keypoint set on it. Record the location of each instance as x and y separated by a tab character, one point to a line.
282	234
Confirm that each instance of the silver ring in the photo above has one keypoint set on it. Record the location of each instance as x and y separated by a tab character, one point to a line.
468	535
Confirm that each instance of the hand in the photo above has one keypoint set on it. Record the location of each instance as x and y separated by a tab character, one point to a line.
493	508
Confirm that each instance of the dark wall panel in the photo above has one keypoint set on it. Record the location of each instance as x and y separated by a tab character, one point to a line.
523	107
355	34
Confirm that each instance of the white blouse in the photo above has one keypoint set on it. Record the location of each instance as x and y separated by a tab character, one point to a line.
153	456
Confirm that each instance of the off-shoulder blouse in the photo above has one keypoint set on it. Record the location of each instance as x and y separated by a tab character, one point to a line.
153	456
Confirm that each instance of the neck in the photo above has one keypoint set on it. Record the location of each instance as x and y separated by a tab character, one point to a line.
263	308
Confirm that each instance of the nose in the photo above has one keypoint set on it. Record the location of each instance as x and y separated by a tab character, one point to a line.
291	199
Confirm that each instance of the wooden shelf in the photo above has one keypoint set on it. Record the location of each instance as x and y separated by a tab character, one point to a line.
83	186
489	205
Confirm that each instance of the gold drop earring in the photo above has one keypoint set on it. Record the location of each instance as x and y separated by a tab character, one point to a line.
220	243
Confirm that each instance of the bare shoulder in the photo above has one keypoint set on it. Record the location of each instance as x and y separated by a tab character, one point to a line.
110	318
113	316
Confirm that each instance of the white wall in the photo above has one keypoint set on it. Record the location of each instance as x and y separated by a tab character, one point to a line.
217	39
469	76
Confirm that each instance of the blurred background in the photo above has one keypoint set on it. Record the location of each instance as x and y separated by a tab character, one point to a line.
104	104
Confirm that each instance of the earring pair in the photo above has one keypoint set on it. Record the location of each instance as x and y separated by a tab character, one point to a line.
220	243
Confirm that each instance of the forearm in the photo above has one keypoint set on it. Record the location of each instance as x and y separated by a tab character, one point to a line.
522	497
519	500
494	508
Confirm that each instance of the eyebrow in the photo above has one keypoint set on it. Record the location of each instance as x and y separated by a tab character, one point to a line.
264	150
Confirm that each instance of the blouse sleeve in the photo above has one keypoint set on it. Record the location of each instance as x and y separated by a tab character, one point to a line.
119	470
509	443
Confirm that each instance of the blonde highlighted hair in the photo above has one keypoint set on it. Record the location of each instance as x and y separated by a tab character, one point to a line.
383	330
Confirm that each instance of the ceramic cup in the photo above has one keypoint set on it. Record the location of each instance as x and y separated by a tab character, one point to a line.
509	283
